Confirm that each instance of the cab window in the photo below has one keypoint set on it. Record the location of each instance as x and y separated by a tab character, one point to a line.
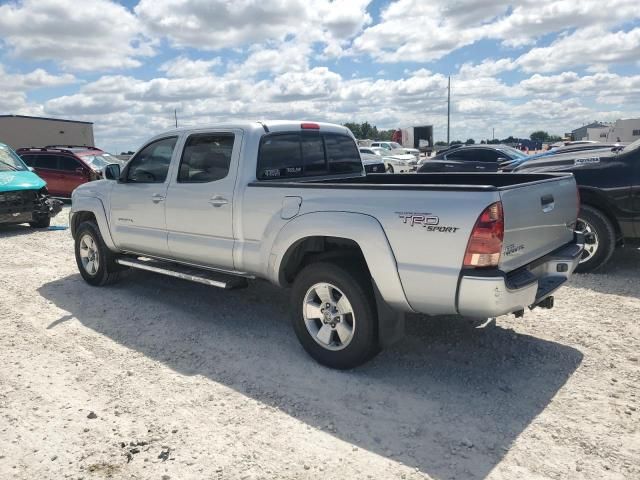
307	154
151	164
206	158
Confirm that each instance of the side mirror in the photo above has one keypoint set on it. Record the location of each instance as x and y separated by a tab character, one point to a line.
80	171
31	169
112	171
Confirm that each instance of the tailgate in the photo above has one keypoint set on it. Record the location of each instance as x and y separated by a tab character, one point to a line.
538	218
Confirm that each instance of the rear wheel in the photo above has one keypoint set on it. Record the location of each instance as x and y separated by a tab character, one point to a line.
334	315
95	261
389	168
599	236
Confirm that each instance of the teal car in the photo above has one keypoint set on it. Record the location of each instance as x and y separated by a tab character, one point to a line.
23	194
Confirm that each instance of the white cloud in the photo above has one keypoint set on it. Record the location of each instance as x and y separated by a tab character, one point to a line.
87	35
218	24
415	30
589	46
16	85
38	78
183	67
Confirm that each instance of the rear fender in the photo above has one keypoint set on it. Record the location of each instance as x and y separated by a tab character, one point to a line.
362	229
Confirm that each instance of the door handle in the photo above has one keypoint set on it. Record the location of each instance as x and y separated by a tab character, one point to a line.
157	198
479	167
548	203
449	166
218	201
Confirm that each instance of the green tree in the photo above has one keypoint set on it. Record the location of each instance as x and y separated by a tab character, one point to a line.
470	141
440	143
456	142
539	136
355	129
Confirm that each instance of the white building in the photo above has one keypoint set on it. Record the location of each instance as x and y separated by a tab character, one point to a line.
624	131
19	131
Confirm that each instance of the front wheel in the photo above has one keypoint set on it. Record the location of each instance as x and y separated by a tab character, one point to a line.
599	239
95	261
334	315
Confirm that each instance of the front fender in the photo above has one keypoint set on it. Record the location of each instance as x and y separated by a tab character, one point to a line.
363	229
96	207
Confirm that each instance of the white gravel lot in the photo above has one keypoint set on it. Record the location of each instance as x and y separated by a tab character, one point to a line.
190	382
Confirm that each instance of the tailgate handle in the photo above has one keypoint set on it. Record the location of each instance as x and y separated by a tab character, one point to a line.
547	203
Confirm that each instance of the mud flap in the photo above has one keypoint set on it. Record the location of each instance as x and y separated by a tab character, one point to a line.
390	322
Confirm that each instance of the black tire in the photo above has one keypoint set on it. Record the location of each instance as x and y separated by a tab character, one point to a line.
356	285
390	169
108	271
605	235
43	222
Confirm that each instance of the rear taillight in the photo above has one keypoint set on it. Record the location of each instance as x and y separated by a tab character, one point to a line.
485	242
309	126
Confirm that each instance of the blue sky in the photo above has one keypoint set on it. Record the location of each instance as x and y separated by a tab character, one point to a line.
125	66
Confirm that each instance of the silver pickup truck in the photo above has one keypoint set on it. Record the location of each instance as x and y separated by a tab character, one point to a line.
289	202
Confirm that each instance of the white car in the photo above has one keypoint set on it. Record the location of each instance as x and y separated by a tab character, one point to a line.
396	148
399	163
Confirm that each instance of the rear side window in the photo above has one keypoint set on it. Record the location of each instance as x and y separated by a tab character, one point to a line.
307	154
45	161
206	158
464	155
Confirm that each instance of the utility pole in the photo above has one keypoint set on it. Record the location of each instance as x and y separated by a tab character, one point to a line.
448	109
493	136
175	115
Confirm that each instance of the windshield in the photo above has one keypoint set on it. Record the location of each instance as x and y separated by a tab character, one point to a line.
513	152
395	145
9	160
98	162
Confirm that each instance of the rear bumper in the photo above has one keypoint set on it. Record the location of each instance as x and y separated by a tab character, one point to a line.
495	293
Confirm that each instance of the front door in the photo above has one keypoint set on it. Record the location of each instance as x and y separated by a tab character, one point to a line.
200	199
73	173
138	201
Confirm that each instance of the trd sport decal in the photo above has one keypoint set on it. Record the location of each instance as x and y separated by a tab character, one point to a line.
430	222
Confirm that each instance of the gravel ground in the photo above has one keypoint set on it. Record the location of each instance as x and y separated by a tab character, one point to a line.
154	378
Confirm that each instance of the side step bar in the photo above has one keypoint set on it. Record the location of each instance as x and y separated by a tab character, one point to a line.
184	272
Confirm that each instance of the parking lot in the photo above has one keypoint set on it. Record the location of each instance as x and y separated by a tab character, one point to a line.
165	379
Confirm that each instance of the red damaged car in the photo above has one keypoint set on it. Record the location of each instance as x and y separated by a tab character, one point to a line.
66	167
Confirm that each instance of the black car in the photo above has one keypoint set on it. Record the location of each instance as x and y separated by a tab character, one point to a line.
473	158
609	183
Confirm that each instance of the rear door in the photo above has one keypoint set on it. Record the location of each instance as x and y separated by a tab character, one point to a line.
539	217
199	207
46	166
